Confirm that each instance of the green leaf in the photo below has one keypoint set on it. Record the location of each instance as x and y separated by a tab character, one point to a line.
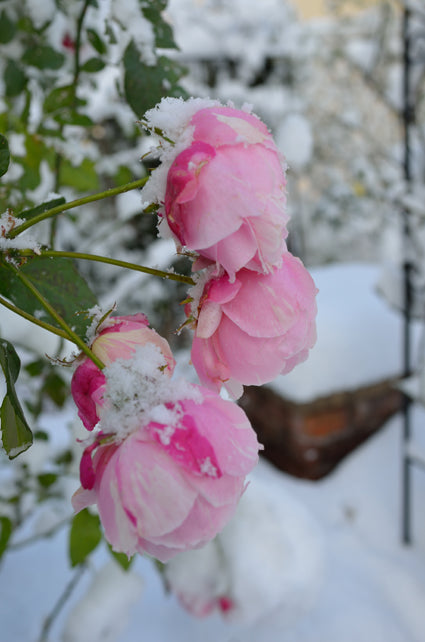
4	155
16	434
145	85
58	280
14	79
5	533
47	479
43	57
35	153
84	177
122	559
96	41
7	28
84	536
56	389
73	118
61	98
152	10
40	209
93	65
41	435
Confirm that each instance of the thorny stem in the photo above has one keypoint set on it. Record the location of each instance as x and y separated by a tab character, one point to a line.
71	335
54	211
30	317
103	259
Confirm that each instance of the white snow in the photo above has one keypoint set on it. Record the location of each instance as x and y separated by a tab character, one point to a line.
139	391
102	613
295	137
359	336
316	562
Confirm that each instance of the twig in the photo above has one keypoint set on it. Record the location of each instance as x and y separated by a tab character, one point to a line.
48	622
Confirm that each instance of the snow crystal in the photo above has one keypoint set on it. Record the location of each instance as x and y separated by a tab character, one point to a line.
9	222
195	292
96	314
139	392
171	117
208	468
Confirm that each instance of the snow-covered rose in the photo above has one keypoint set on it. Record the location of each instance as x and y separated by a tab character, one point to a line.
119	339
252	329
170	485
225	194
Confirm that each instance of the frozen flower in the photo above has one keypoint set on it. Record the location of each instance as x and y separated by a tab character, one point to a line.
170	485
225	196
252	329
119	339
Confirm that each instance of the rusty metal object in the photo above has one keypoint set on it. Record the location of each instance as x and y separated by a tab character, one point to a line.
309	439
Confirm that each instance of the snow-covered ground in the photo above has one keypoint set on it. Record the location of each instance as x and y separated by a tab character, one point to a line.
331	549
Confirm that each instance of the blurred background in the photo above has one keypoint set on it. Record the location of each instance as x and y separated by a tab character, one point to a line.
331	543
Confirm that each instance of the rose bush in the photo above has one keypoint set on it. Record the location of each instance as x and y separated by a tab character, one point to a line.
225	194
119	339
252	329
170	485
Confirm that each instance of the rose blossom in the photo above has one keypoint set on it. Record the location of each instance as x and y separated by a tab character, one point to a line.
119	339
249	331
172	484
225	194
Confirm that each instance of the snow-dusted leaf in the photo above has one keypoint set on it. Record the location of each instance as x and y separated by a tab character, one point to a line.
152	10
58	280
16	433
84	536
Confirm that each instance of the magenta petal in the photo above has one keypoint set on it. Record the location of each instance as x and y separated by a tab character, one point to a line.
188	447
87	474
235	444
86	380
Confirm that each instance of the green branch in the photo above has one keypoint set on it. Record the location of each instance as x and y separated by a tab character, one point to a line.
71	335
78	44
32	319
103	259
54	211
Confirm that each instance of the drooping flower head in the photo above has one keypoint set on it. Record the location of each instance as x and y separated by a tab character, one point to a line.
225	190
167	462
174	482
251	330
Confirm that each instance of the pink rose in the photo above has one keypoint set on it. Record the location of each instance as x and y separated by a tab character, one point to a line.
170	486
255	328
225	194
118	340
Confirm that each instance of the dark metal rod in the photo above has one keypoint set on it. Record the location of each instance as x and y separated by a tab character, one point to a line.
407	116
